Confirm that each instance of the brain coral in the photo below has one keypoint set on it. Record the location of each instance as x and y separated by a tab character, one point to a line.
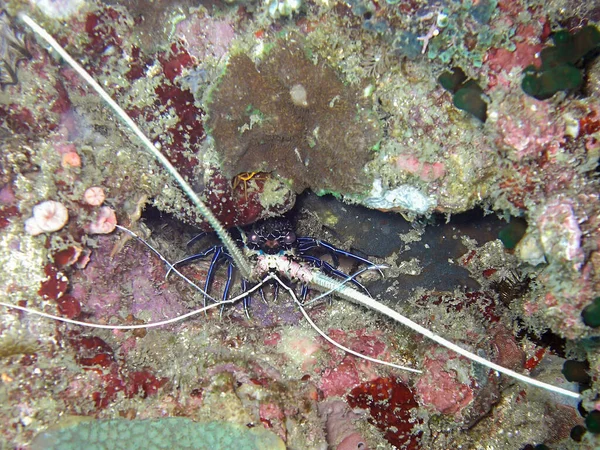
166	433
294	118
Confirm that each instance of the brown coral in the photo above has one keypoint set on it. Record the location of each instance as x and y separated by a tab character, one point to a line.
297	119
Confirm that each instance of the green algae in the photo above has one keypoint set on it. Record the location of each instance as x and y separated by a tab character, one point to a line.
560	69
466	94
591	314
512	234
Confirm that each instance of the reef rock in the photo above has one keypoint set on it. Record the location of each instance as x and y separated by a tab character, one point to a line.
295	118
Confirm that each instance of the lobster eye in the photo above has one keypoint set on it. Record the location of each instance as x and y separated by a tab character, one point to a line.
290	238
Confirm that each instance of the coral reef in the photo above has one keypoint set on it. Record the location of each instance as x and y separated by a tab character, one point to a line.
254	102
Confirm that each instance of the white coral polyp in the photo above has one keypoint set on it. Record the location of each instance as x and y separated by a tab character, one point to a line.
47	217
31	227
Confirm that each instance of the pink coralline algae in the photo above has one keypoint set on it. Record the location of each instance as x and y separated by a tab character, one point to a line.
338	380
206	36
150	299
564	302
425	171
347	371
100	286
59	9
273	417
529	128
340	426
522	56
526	49
445	385
366	342
507	351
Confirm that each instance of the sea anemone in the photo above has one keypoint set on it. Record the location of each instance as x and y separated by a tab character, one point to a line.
47	216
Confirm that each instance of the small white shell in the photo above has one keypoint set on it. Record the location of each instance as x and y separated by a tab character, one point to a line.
298	95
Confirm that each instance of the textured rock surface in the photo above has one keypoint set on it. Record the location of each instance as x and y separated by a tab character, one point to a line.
288	115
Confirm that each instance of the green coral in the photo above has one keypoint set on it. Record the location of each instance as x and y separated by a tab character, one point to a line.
157	434
592	422
576	371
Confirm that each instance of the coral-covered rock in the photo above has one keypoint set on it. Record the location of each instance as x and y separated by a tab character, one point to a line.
100	286
340	425
338	380
161	61
391	405
206	36
446	385
560	235
245	198
292	117
453	386
527	128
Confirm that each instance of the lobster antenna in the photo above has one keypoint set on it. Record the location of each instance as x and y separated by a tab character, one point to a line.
240	261
328	283
270	276
328	338
171	267
161	323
